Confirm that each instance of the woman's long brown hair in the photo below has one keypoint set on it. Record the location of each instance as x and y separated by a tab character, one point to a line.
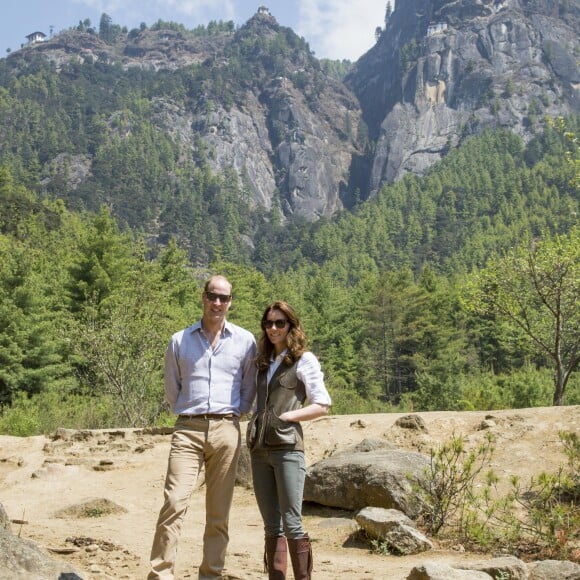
295	340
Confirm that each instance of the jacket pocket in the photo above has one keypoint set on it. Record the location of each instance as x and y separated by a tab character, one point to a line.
279	432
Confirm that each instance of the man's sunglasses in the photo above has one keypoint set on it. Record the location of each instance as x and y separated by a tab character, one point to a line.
213	297
279	324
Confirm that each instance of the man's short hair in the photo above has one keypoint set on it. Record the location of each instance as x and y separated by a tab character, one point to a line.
215	277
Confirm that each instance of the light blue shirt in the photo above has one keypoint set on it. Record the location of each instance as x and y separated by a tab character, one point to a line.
200	380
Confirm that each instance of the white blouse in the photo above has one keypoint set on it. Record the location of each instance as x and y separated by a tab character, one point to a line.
310	373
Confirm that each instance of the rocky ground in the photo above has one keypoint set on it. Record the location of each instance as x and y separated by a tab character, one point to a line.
91	498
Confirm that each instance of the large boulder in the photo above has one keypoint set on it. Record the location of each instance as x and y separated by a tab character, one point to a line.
244	472
376	478
22	559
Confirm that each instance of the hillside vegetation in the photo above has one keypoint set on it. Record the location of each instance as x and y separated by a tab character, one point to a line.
402	298
455	290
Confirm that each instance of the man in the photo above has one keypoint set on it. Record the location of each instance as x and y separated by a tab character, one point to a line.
209	381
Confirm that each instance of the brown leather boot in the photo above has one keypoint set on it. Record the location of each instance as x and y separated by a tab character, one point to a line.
276	558
301	555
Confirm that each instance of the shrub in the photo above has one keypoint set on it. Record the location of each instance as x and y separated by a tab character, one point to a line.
540	518
47	411
447	486
21	419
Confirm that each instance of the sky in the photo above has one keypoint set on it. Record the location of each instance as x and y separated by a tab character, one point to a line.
335	29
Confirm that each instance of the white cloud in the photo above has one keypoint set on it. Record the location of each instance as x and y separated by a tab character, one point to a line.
340	28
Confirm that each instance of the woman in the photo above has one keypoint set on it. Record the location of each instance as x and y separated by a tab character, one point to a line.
288	375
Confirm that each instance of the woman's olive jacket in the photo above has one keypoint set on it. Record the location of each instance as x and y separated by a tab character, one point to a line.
285	392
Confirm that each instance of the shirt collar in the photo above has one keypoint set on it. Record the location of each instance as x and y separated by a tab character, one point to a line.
280	357
227	327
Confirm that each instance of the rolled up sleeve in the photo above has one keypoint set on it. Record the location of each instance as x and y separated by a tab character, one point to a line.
310	373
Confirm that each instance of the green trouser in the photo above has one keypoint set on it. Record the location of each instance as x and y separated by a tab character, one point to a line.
279	486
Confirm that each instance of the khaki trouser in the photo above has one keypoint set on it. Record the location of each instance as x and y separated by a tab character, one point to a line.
214	443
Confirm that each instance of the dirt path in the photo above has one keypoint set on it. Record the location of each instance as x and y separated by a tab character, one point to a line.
39	478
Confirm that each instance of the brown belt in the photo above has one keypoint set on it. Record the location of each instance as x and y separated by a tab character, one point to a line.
209	416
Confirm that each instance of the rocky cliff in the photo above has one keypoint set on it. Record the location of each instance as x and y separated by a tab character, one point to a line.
445	69
298	138
286	128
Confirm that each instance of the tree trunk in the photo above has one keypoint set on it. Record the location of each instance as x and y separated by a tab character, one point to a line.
559	386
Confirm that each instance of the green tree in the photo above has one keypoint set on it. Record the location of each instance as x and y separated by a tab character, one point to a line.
536	287
32	351
411	329
101	264
16	202
122	348
105	27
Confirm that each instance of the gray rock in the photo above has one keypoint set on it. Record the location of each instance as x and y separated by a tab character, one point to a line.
505	567
379	478
22	559
394	528
244	472
4	520
378	521
554	570
439	571
405	540
414	422
367	445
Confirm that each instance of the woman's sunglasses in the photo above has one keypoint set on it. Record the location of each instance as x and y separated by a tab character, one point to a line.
279	324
